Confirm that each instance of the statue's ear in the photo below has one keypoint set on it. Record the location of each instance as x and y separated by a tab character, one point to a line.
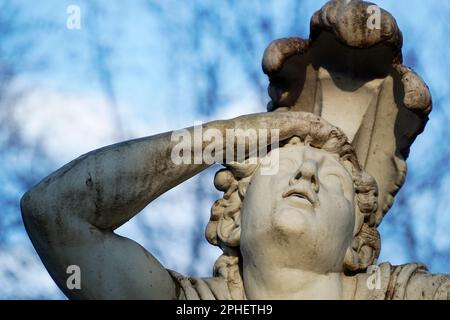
364	250
229	230
224	226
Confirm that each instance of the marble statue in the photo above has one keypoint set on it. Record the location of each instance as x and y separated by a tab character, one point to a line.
347	112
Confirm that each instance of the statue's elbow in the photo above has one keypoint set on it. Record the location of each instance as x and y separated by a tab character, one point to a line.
35	216
27	203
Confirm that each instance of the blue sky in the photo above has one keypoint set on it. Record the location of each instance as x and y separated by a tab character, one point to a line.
155	93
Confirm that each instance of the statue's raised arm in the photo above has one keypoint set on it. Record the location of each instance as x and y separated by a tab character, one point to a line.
71	215
298	222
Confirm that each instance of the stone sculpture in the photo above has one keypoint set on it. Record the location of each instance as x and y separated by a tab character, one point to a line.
347	112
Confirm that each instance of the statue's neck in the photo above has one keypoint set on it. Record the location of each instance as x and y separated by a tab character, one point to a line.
270	282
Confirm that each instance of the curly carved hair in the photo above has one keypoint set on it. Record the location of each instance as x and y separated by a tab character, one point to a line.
224	230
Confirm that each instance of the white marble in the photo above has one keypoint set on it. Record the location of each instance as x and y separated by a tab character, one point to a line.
347	112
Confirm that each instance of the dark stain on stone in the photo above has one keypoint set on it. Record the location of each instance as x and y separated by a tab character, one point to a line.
89	182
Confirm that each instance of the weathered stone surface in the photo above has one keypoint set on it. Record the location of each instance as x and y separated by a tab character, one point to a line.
347	112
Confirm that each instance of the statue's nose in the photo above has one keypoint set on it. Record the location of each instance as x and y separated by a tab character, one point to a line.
307	172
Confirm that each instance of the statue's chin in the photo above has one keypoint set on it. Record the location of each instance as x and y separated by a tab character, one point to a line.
293	221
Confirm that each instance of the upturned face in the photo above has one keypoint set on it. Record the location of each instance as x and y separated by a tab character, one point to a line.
302	216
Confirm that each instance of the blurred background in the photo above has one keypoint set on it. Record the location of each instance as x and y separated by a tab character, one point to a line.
142	67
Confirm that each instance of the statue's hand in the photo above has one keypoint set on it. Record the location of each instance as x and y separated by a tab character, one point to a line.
279	51
268	127
253	132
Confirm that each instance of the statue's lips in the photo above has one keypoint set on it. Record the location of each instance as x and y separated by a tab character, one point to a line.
299	193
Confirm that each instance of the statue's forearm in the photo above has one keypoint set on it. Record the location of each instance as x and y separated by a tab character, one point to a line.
108	186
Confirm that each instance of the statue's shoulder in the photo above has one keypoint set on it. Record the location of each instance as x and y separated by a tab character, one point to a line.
410	281
192	288
423	284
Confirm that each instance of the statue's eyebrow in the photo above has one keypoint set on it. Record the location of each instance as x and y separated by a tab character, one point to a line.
294	162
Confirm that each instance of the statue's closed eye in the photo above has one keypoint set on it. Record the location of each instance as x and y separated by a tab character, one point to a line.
335	183
332	182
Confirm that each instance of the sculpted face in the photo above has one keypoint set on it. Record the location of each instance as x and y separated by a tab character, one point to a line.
302	216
